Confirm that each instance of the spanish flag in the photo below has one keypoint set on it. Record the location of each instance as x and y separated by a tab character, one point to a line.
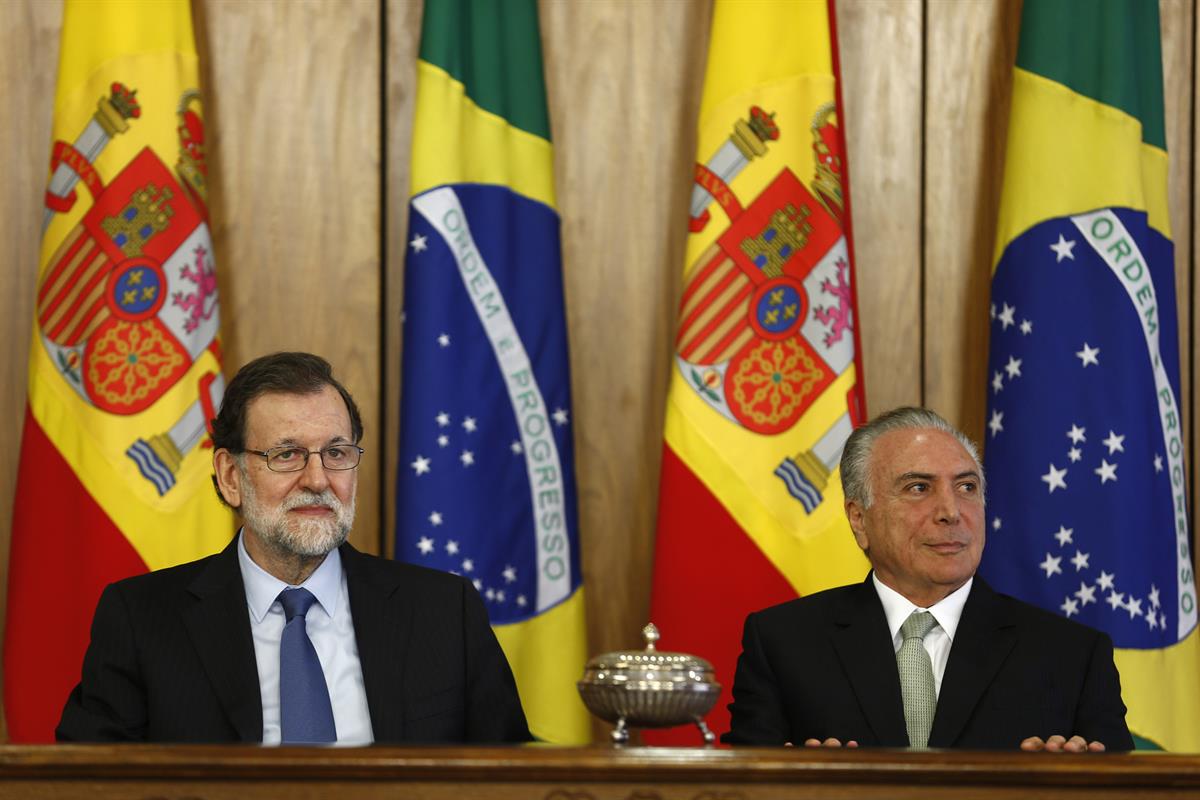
486	485
766	384
124	366
1087	494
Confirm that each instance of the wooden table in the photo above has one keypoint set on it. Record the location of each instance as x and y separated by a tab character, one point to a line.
193	772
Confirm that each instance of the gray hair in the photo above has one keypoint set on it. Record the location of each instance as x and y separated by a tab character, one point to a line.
856	455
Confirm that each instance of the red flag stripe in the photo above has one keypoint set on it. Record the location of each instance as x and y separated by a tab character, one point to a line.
65	550
699	543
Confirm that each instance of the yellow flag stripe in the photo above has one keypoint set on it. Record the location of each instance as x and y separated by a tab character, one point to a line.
101	32
547	653
736	67
456	141
1069	154
1164	685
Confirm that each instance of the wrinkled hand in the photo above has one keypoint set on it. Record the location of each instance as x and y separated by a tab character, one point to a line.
1061	744
830	742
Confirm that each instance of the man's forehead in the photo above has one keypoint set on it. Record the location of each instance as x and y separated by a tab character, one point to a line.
926	451
286	415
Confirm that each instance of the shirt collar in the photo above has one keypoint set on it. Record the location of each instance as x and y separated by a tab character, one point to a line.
263	588
897	607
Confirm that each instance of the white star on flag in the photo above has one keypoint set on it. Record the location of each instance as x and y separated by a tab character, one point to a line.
1074	454
467	458
1026	327
1055	478
1086	594
509	573
443	440
1088	355
425	545
1154	601
452	548
1013	367
435	518
469	425
1158	463
996	423
1115	599
443	419
1062	249
468	565
521	601
1114	443
560	416
996	523
516	447
1076	434
1080	560
1151	621
1069	607
1105	581
1006	316
418	244
1106	471
997	382
443	339
420	465
1064	535
1051	565
1134	607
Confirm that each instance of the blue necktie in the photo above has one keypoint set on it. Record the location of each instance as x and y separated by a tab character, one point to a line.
305	713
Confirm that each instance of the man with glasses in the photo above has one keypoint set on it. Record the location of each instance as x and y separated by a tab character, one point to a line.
290	634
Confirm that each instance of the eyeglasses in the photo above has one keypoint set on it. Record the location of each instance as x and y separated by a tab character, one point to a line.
294	459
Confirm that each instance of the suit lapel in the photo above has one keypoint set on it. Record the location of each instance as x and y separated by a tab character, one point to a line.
382	626
984	638
864	647
219	626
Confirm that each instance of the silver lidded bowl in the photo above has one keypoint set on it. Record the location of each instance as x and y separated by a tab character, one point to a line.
649	689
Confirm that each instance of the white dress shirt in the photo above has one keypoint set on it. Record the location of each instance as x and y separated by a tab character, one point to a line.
947	612
331	630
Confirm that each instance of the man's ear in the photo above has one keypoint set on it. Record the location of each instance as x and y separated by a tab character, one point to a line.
856	514
229	477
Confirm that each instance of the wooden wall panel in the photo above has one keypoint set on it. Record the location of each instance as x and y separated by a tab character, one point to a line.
624	85
1178	90
294	114
881	56
969	52
400	76
309	112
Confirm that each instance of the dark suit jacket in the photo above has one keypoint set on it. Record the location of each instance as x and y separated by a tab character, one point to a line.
172	660
825	666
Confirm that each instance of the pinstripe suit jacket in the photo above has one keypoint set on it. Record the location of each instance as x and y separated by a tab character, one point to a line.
171	658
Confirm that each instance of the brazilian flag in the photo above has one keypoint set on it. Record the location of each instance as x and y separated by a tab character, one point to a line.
486	483
1087	496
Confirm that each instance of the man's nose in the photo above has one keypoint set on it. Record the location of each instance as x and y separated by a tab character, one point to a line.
946	508
313	476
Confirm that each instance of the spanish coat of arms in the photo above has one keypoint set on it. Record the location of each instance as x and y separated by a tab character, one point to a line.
128	301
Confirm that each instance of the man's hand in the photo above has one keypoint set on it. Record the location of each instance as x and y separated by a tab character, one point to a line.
830	742
1061	744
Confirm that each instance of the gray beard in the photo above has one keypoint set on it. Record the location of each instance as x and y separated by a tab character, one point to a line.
308	538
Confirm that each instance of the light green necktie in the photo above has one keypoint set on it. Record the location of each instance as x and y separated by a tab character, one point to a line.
916	678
